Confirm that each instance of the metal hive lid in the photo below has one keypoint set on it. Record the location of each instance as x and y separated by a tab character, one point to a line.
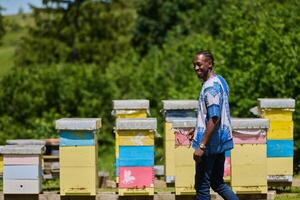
250	123
136	124
130	104
188	122
23	149
180	104
276	103
78	124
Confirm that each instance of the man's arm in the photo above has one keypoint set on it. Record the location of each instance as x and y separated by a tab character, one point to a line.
211	125
212	102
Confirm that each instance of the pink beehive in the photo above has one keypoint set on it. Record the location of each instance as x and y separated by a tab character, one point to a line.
136	177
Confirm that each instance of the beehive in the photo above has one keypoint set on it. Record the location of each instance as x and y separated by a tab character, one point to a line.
173	109
22	171
129	109
135	161
248	157
184	183
78	155
280	140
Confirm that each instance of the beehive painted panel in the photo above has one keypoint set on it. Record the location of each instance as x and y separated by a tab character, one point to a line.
77	138
248	175
248	154
249	165
117	167
19	172
277	114
169	134
184	156
227	167
136	138
116	145
256	189
72	156
22	160
136	156
22	186
136	191
280	148
185	176
251	136
141	113
170	157
78	180
280	166
1	164
282	130
136	177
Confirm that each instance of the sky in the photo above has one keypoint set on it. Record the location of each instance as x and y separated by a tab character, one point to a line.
13	6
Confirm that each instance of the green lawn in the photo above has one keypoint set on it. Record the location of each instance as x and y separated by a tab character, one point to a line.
16	27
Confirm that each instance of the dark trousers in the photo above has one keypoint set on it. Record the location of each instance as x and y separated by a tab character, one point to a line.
209	173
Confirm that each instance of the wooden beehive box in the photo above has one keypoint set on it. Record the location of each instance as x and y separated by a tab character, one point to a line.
78	155
22	171
249	156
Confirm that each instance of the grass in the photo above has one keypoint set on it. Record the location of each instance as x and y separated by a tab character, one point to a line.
16	27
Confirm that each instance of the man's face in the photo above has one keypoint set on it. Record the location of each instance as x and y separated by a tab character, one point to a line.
201	66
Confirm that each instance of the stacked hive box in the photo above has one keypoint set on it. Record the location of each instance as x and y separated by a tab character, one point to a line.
51	159
248	158
22	172
280	143
78	153
128	109
184	163
1	162
27	142
136	155
173	109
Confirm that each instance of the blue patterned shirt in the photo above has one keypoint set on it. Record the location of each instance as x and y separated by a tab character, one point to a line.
213	102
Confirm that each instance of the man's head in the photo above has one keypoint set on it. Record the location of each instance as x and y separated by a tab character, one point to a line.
203	64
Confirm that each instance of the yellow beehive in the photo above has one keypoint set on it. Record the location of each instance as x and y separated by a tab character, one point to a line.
116	145
169	157
78	156
1	164
281	130
249	168
135	192
280	166
78	180
169	145
277	114
184	171
131	108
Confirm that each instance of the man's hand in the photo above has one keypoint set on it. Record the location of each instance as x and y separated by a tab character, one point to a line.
198	155
191	133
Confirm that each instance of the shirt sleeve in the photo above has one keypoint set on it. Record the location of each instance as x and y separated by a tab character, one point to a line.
213	102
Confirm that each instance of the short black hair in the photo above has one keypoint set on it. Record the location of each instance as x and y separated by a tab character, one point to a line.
207	55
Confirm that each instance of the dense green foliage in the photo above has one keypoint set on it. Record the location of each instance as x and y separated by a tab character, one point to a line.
78	31
76	66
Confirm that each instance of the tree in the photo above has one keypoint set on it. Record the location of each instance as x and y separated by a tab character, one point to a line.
77	31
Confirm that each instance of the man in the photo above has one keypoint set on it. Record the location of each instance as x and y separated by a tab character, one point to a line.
213	130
